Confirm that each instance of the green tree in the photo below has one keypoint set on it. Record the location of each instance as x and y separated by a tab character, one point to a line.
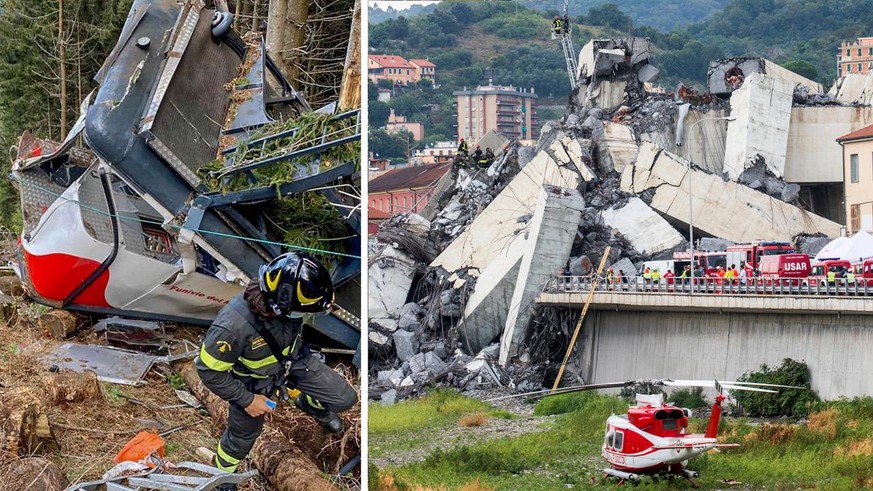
378	113
802	67
608	15
388	145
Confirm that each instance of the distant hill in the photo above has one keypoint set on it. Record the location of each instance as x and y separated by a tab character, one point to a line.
663	15
377	15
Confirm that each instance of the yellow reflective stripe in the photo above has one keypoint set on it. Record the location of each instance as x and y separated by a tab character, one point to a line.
255	364
225	457
252	375
212	362
314	403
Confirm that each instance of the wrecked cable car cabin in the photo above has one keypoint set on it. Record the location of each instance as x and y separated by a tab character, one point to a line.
129	224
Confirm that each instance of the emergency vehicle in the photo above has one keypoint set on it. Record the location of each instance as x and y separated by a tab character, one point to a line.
784	269
753	253
818	275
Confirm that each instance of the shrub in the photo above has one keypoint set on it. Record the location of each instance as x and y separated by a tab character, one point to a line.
788	402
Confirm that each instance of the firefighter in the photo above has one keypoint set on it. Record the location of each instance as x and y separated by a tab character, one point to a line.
489	155
850	280
463	150
482	159
656	275
647	276
253	352
477	155
558	25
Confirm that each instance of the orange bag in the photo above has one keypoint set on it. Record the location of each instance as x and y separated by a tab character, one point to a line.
141	446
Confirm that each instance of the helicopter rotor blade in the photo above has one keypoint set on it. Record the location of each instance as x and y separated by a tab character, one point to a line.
565	390
727	384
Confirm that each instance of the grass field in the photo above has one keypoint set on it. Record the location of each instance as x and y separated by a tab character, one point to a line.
833	449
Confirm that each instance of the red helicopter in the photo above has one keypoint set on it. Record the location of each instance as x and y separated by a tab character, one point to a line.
651	439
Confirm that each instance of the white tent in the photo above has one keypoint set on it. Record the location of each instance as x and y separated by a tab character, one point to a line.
851	249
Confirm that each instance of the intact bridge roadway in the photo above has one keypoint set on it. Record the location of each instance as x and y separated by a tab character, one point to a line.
789	295
637	330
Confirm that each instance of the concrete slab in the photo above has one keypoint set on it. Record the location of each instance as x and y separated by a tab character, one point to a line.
853	88
762	108
647	231
722	209
496	226
389	277
813	154
551	234
486	309
729	74
620	145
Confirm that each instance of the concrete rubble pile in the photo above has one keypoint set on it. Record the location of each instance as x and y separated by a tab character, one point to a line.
618	170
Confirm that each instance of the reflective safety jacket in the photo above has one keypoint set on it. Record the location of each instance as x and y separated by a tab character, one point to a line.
850	278
235	361
832	277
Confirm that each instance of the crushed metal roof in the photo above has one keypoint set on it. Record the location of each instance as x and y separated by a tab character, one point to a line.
418	176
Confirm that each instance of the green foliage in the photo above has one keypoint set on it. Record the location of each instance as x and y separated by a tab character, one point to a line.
788	402
688	398
802	67
29	62
389	145
522	25
439	408
310	220
311	128
378	114
563	403
608	15
175	381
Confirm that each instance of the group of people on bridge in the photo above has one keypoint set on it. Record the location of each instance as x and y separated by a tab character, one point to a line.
478	159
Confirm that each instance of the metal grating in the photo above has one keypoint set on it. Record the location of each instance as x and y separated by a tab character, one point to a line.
38	192
188	122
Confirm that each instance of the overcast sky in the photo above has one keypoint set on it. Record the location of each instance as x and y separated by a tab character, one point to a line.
400	4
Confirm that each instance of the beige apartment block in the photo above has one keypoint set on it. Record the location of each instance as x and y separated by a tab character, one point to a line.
507	110
858	178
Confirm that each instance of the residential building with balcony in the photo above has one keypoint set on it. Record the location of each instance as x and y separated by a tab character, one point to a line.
855	56
399	70
507	110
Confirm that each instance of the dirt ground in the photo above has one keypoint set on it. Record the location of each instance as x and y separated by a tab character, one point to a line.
91	433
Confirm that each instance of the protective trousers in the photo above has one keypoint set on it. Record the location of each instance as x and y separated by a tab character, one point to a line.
319	384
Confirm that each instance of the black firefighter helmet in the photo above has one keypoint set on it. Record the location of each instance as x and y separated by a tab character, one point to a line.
296	282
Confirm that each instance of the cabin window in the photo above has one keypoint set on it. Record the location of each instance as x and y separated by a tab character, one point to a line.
608	439
618	440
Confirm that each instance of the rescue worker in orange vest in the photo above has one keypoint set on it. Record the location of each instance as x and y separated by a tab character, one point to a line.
647	276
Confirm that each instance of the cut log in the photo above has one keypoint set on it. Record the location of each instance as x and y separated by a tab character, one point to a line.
33	474
58	323
273	455
285	466
68	386
24	426
11	285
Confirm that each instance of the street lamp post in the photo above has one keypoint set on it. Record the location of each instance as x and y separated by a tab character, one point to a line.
690	200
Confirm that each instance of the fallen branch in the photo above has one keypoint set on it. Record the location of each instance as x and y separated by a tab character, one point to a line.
284	465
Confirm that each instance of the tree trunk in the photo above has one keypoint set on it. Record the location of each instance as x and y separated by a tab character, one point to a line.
11	285
295	41
63	67
58	323
33	474
66	387
285	466
24	426
277	19
256	19
274	456
350	91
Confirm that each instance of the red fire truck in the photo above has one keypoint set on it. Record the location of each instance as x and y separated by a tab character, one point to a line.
751	254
